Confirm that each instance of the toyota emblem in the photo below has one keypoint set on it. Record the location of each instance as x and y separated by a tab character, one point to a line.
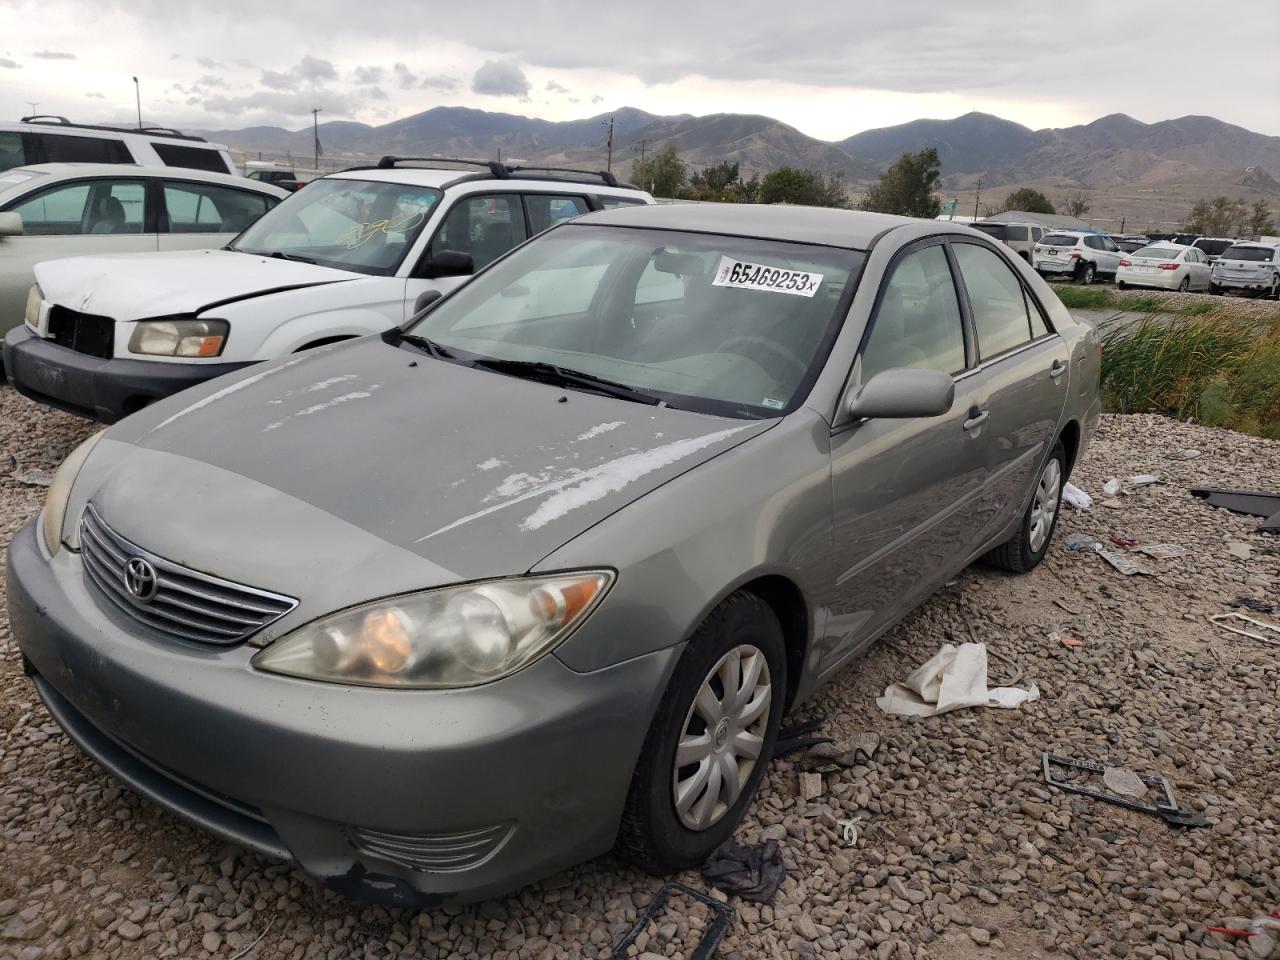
140	580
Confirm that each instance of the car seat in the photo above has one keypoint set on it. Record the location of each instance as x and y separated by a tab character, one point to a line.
108	217
889	345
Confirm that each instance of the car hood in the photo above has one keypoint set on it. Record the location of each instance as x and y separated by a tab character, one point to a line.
140	285
275	474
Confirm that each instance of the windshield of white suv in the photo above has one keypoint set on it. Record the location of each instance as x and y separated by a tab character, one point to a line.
1158	253
358	225
723	324
1059	240
1252	254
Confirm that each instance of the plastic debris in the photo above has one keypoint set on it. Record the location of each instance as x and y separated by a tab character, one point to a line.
1123	781
1219	619
751	871
1252	503
1111	487
1263	933
953	678
1082	541
36	478
1123	562
1124	541
722	913
1187	455
1075	497
1081	776
1141	480
1066	639
1249	603
1162	551
828	757
849	830
1240	550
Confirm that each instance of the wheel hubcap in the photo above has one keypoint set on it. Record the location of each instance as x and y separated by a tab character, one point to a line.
1045	505
722	737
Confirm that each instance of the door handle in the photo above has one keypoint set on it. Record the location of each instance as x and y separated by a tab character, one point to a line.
976	418
1058	369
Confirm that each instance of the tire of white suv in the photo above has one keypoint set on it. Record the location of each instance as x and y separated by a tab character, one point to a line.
1086	273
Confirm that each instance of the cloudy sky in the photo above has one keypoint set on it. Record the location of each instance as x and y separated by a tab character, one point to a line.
830	68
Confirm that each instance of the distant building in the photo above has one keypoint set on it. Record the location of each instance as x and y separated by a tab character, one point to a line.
1051	220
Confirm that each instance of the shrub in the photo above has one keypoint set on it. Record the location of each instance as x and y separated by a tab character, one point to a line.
1083	298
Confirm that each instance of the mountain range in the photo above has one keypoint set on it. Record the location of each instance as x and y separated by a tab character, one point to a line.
1114	157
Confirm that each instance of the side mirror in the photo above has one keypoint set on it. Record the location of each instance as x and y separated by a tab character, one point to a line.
11	225
902	393
425	299
451	263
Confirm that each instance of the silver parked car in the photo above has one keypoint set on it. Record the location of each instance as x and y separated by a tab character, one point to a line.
435	613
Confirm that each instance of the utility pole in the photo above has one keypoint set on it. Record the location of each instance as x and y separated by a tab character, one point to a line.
137	94
976	197
315	132
609	165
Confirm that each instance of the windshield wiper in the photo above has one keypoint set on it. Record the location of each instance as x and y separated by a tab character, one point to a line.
281	255
560	376
430	346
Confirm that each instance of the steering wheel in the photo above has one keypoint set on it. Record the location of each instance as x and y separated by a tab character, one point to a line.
775	350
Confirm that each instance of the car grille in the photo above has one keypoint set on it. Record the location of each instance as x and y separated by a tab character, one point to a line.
82	332
435	852
187	604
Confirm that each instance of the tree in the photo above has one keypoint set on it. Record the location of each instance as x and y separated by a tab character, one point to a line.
802	187
908	187
1077	205
722	184
1219	217
1261	220
1028	200
663	174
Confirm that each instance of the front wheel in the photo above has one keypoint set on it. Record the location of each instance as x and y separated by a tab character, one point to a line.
710	740
1026	548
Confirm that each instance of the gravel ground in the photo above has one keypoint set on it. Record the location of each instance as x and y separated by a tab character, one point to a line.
1238	305
962	851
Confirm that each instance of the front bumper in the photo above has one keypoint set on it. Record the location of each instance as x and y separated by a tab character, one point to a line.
105	390
350	783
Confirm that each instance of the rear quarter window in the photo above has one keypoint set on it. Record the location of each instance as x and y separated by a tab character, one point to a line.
61	148
192	158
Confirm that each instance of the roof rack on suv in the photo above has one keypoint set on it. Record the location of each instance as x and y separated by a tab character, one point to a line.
53	119
503	171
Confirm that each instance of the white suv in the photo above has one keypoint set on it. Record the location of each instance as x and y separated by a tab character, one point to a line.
354	253
1251	267
1077	254
48	139
1019	235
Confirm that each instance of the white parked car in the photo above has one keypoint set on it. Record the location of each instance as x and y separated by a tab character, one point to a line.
1078	254
1251	267
1165	266
71	209
354	253
50	139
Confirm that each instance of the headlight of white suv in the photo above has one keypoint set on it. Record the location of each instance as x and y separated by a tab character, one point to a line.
179	338
449	637
55	501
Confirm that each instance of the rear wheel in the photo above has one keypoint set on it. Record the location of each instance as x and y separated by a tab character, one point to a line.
710	740
1275	289
1215	290
1185	285
1027	547
1121	285
1088	273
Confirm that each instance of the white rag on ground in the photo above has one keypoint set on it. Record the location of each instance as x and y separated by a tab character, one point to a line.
952	678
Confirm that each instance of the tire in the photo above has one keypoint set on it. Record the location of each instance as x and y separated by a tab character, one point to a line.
1185	285
1026	548
1088	273
1121	285
1215	290
654	835
1275	290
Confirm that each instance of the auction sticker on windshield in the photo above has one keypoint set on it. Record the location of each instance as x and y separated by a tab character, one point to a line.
759	276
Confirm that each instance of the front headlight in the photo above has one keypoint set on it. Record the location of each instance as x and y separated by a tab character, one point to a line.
55	502
35	296
450	637
179	338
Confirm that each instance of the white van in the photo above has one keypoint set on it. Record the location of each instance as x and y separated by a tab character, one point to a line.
350	254
50	139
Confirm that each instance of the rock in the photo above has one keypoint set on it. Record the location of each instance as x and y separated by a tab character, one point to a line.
128	931
979	936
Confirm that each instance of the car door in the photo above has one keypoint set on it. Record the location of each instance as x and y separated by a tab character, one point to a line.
204	216
1022	372
1200	269
71	218
485	225
908	496
1108	254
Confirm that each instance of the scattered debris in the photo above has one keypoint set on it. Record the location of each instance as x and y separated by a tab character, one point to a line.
751	871
1220	618
1241	550
1123	562
1066	639
1074	776
36	477
1249	603
1162	551
1124	781
829	756
1253	503
1142	480
1124	541
1186	455
1067	607
1263	933
796	737
1082	541
1075	497
811	786
849	830
953	678
723	919
1111	487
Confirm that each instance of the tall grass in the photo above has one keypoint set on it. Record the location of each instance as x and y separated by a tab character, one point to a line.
1083	298
1223	371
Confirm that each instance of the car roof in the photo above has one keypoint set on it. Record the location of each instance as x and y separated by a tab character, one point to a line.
50	173
440	178
854	230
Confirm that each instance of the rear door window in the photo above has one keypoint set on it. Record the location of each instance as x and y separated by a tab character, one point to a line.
546	210
997	299
1017	233
918	321
210	208
12	151
85	207
485	227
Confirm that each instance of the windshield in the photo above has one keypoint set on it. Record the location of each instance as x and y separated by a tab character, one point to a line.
1059	240
1157	253
997	230
721	324
354	225
1252	254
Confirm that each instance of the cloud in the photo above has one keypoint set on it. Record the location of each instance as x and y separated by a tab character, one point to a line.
405	77
242	62
210	80
368	75
500	78
209	63
95	96
440	81
8	64
553	87
376	93
313	69
175	56
53	55
284	103
597	99
308	72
